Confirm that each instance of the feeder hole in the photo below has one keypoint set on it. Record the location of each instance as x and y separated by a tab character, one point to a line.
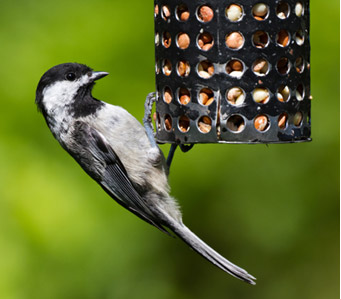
300	92
157	39
184	123
235	68
205	124
283	121
165	12
283	10
234	40
182	12
206	96
234	12
166	39
283	65
168	123
261	123
183	40
166	67
297	120
299	10
260	67
205	69
260	11
158	121
157	69
235	123
261	95
183	68
283	93
167	95
283	38
205	41
260	39
299	37
299	64
205	13
184	96
235	96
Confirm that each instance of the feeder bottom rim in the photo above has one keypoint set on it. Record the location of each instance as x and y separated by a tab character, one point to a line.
238	142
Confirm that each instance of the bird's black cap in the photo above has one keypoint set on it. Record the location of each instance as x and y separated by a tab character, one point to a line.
60	73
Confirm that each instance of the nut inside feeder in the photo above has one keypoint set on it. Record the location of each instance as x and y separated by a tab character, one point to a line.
235	72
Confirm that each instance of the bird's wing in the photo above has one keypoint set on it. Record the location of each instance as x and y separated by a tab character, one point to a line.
114	179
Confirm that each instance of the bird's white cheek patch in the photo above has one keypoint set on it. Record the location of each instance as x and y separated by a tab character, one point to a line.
62	93
59	94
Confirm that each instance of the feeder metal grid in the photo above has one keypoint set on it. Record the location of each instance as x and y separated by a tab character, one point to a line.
287	58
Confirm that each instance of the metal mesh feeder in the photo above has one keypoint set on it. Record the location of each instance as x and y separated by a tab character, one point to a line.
232	71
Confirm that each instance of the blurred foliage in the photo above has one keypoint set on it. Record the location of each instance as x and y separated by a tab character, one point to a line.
271	209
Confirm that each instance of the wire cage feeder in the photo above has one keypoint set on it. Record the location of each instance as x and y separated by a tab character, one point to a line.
232	71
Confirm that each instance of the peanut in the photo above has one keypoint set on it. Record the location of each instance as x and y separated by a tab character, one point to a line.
183	13
184	123
203	97
261	67
283	38
184	16
235	68
299	37
299	9
205	124
205	13
261	123
260	11
183	68
234	40
282	121
205	41
166	12
210	101
298	119
168	122
167	67
167	95
183	40
185	99
236	65
166	39
205	69
299	64
299	92
282	10
207	47
184	96
234	12
236	96
261	95
283	93
206	96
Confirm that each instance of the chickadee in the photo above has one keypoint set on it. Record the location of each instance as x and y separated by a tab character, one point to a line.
113	148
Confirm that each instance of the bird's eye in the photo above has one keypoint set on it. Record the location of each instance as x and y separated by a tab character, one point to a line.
70	76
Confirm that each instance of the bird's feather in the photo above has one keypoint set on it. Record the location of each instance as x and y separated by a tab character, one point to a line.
114	178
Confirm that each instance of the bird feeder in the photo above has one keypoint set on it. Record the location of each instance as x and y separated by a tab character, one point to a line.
232	71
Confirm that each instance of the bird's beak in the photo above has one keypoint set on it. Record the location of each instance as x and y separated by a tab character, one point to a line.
97	75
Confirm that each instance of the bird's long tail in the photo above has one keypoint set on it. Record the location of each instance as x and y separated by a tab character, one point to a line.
210	254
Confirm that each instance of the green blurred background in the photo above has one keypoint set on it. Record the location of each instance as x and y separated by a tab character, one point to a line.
271	209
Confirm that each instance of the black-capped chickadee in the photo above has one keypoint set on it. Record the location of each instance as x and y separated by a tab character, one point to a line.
113	148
